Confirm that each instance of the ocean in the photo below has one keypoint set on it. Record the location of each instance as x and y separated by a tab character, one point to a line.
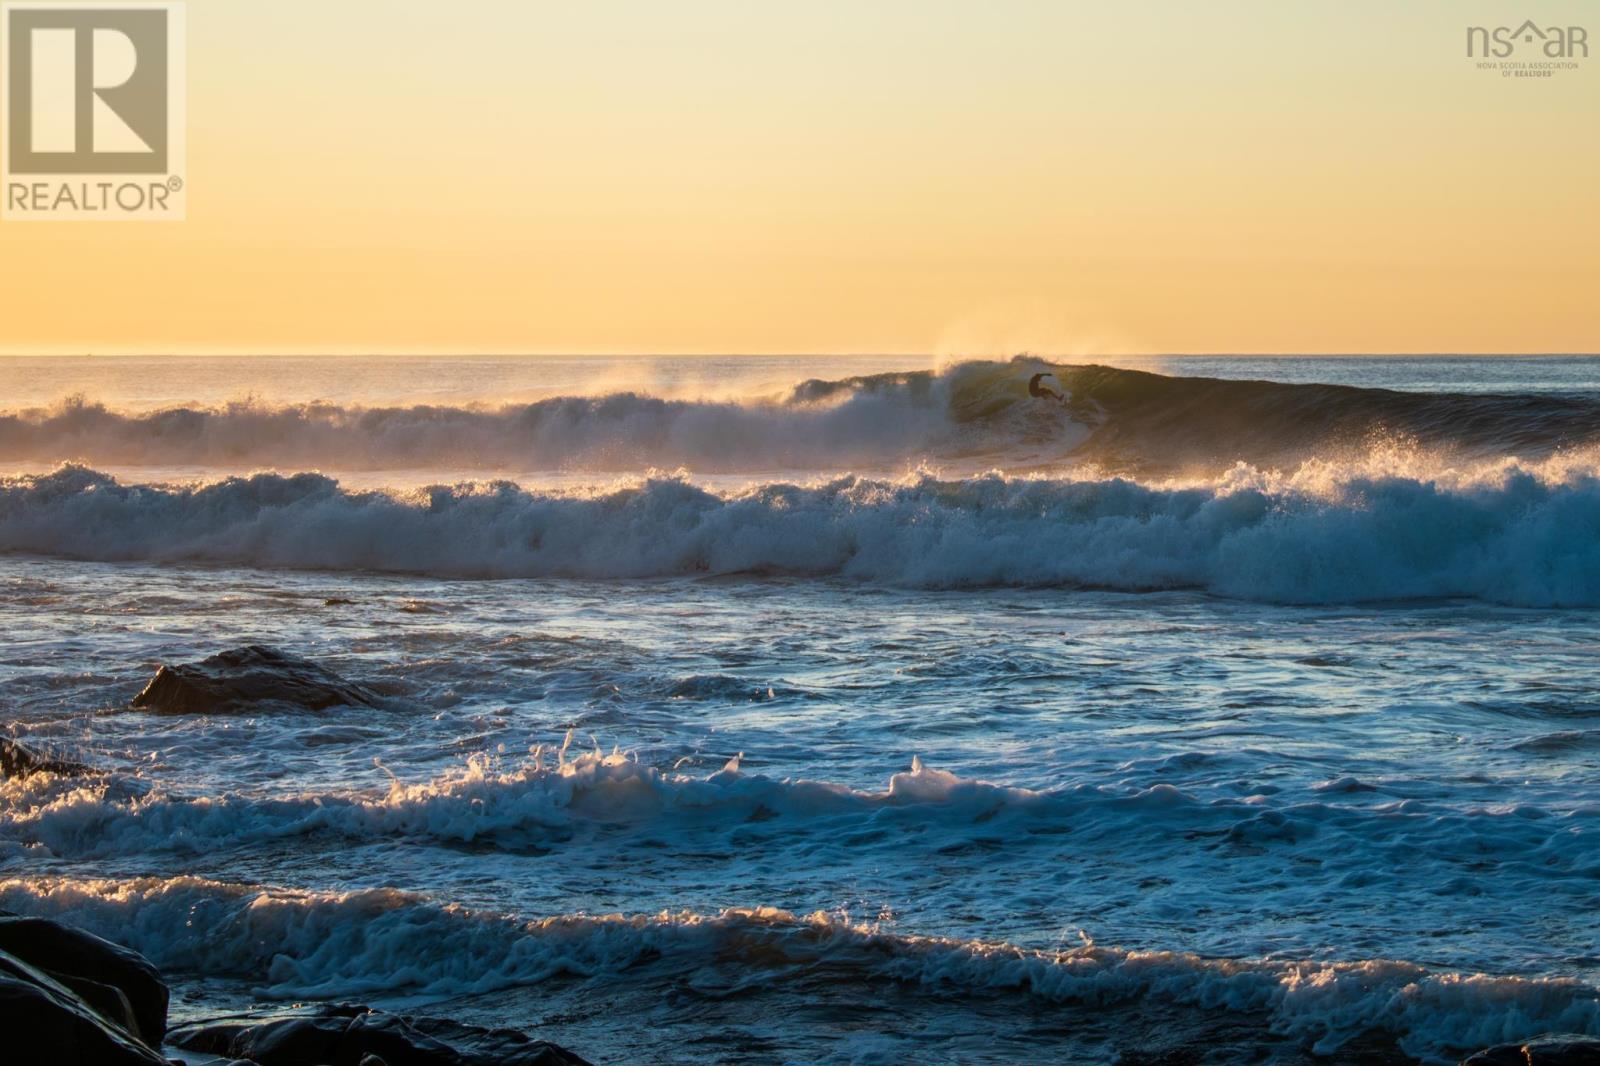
871	709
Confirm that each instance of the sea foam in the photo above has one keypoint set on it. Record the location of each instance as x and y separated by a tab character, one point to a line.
830	426
610	802
318	944
1507	532
873	422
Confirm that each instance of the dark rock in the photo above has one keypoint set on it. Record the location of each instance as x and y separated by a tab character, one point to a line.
19	760
243	679
1549	1050
383	1035
355	1036
120	984
108	1001
285	1042
47	1024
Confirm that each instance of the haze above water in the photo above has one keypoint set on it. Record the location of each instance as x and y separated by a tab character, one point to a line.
142	383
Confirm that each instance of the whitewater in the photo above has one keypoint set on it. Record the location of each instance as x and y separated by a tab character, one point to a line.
845	710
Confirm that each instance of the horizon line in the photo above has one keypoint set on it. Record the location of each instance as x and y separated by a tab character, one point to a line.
514	354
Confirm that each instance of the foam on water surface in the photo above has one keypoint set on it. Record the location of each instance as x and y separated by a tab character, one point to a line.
1051	745
297	944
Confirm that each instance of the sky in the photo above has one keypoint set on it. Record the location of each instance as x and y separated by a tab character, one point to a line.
836	176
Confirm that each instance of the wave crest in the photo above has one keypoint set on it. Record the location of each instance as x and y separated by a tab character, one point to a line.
320	944
1525	534
876	423
972	411
532	803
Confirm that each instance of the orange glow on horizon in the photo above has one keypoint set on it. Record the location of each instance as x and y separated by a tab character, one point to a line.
954	178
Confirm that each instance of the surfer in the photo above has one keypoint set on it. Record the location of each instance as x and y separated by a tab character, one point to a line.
1037	389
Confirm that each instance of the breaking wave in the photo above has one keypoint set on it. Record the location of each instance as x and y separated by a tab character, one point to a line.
1528	850
978	410
317	944
1384	529
875	423
481	802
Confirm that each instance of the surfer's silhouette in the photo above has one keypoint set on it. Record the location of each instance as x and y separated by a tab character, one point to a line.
1038	390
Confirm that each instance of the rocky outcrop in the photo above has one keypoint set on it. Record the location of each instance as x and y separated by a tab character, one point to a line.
69	998
19	760
94	968
355	1036
249	679
1549	1050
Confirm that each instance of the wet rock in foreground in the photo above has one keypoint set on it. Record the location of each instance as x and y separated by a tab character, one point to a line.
247	679
356	1036
94	968
67	997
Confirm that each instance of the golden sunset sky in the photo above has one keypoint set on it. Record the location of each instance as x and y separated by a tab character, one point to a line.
837	176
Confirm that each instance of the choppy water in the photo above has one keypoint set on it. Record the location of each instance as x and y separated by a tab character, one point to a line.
910	718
